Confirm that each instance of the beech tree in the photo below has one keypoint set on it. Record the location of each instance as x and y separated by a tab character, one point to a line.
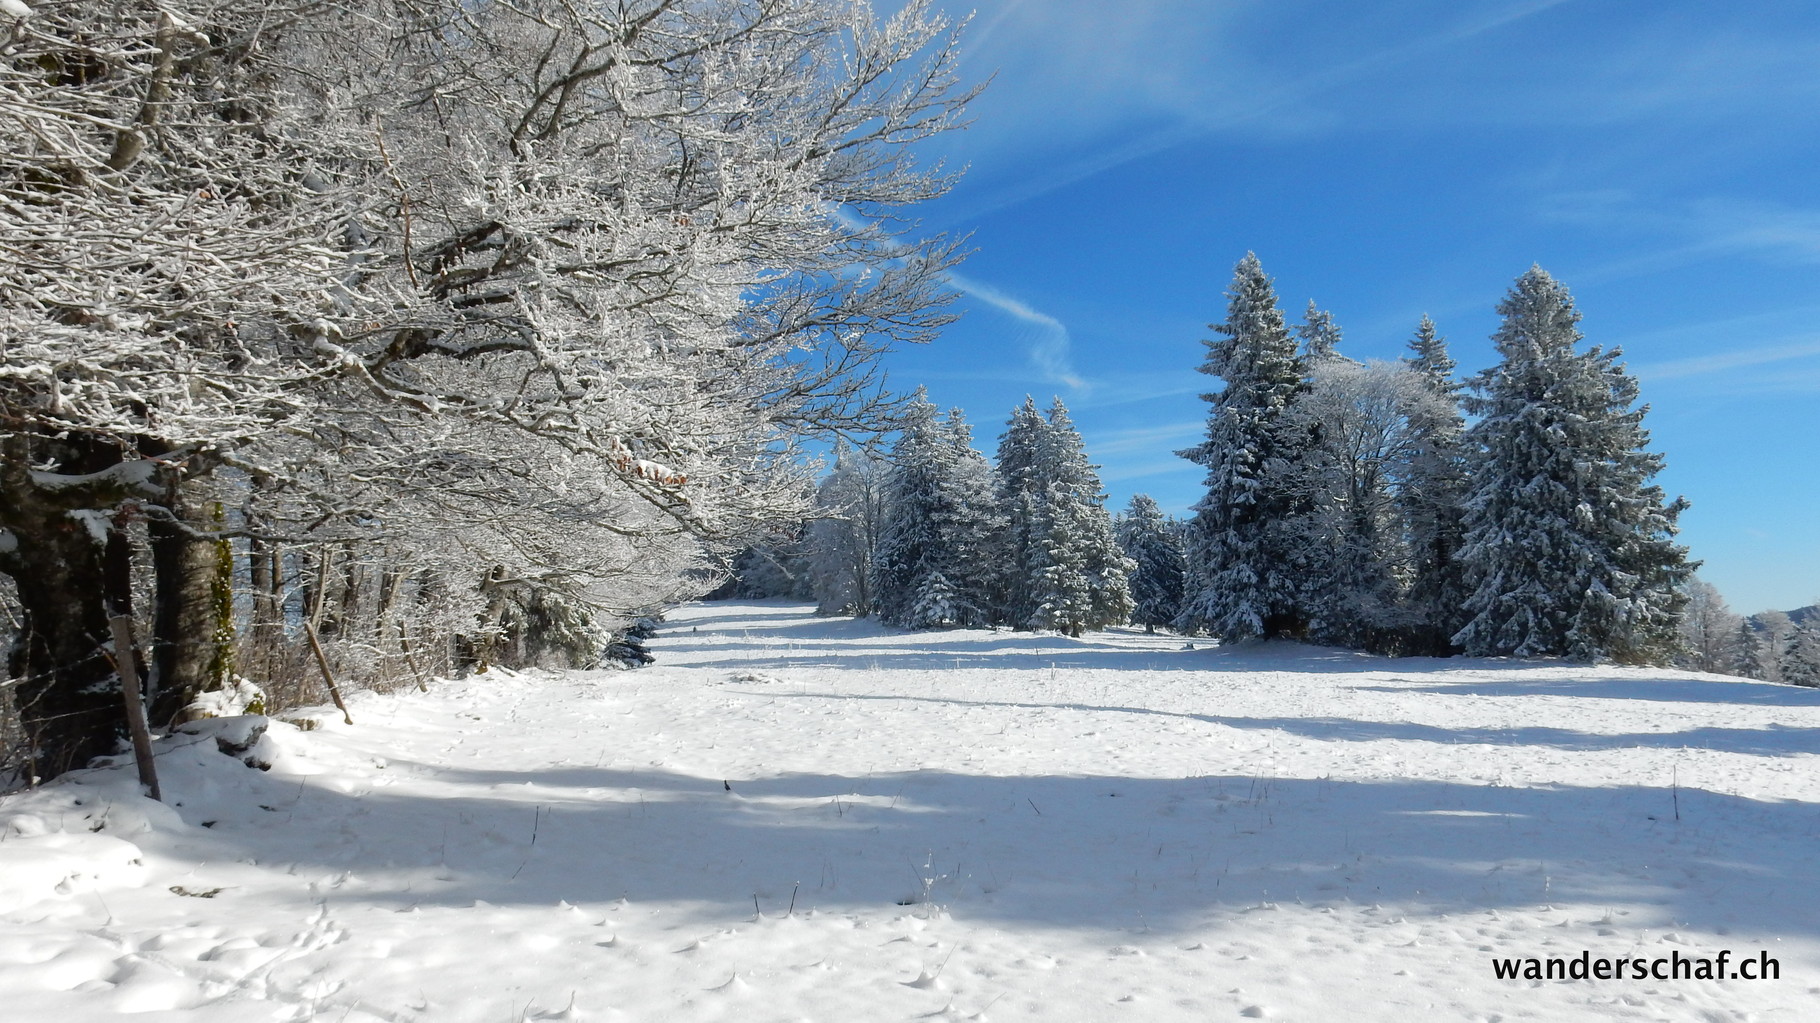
849	517
471	308
1353	477
1710	632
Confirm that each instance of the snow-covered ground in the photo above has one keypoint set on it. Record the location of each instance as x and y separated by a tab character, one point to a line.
791	818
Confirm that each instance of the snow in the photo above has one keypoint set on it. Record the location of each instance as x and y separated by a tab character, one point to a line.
798	818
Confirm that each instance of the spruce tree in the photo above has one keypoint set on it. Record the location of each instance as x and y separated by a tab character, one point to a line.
1065	569
1320	336
1159	562
1242	578
1433	496
1798	660
1021	499
1747	652
1085	581
911	547
1568	546
931	561
973	527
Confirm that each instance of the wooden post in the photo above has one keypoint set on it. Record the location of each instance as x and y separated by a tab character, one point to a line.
135	704
322	662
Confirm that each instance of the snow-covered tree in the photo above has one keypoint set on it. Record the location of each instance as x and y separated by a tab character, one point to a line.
1798	655
1159	562
166	229
1320	336
1747	652
1362	420
1065	569
1432	496
849	510
1020	484
521	300
1082	574
1709	630
1243	575
1568	547
1773	630
974	526
930	526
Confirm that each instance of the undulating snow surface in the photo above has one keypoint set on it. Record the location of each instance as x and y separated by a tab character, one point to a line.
791	818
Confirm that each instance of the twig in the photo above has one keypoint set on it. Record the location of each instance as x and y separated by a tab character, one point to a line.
536	820
404	203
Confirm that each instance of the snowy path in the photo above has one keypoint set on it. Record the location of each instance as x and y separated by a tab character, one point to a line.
969	825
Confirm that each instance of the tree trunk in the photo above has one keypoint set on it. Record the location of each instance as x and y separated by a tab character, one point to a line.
65	558
183	626
263	568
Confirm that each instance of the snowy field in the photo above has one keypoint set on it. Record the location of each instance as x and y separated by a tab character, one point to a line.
791	818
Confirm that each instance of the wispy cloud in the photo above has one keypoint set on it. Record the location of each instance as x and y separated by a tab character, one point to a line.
1047	343
1709	225
1722	362
1083	88
1168	437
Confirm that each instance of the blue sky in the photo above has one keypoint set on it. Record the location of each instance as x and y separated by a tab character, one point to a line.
1387	160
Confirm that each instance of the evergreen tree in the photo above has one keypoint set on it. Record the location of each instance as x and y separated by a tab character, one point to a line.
973	525
1159	562
910	546
1066	570
1568	545
1433	496
1320	336
937	521
1021	499
1243	575
1798	659
1085	577
1747	653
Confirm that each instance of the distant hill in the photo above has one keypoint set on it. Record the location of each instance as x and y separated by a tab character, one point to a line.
1797	616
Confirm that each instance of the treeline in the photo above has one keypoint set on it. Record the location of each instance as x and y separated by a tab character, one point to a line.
1772	645
426	334
936	535
1347	504
1351	503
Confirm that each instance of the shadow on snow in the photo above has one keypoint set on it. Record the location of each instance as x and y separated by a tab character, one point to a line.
1090	852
